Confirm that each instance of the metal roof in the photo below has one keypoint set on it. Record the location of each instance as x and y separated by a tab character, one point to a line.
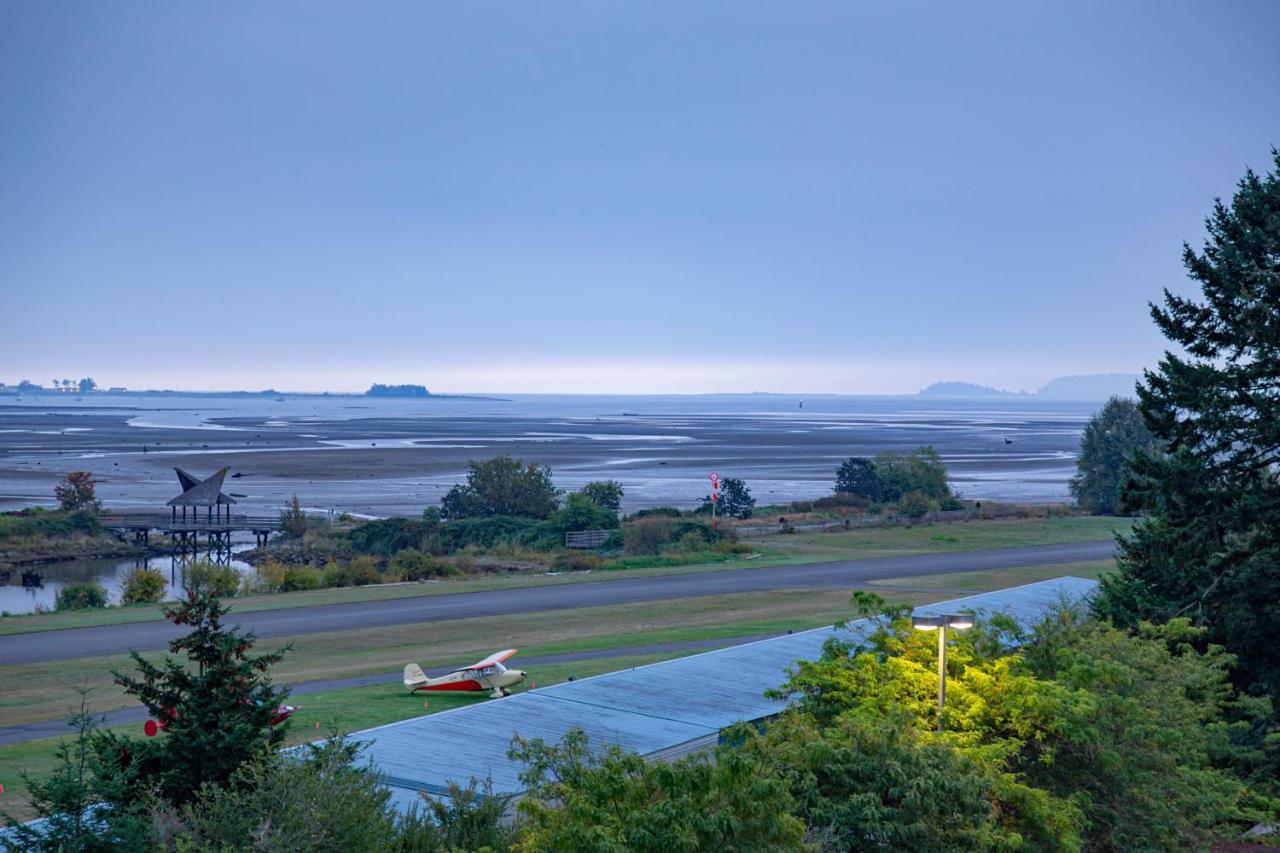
206	492
648	709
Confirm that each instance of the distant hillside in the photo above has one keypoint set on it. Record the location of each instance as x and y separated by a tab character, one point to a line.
397	391
965	389
1099	386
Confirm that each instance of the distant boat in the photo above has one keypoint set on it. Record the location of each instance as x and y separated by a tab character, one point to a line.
631	414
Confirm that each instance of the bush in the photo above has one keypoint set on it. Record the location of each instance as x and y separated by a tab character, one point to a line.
81	596
362	571
222	581
502	486
574	562
410	565
40	522
387	536
302	577
915	504
664	511
144	586
921	469
840	500
690	543
647	535
486	532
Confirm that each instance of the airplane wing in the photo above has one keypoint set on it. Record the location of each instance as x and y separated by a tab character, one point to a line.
495	658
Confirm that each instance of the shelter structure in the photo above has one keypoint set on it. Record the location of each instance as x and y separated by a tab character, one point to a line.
203	494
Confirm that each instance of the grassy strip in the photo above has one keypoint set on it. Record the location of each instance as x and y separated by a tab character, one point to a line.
990	579
42	691
775	550
343	710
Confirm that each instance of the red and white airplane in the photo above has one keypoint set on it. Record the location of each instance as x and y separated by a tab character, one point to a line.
488	674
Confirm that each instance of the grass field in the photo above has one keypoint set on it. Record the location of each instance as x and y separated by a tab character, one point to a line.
338	710
772	550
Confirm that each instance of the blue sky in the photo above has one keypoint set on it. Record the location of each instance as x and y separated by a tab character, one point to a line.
647	197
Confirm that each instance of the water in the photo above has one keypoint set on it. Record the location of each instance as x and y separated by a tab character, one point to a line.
378	457
110	573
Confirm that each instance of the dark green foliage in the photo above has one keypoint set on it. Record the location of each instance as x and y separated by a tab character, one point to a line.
218	699
1113	436
40	522
468	817
580	800
581	513
77	492
487	532
143	586
502	486
666	511
606	494
1209	547
276	803
70	800
81	595
387	536
840	500
920	470
735	499
857	477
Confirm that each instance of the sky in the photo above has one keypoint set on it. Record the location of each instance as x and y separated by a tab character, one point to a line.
657	197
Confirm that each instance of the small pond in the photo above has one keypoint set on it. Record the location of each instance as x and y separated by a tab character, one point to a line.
16	598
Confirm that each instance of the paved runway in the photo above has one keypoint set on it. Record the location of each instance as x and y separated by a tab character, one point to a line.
49	646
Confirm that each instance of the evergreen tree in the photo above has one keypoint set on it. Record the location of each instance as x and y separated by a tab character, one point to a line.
70	801
1113	436
857	476
216	706
1210	548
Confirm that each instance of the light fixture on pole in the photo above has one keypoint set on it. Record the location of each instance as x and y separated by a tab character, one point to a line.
941	623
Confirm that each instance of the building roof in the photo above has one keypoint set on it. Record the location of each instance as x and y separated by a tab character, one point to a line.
197	492
660	708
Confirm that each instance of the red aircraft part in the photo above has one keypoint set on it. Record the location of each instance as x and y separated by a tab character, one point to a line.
468	684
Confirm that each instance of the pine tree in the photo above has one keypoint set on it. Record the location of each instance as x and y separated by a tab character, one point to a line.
216	706
70	800
1210	547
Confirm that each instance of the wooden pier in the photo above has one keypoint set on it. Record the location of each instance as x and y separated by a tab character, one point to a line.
186	531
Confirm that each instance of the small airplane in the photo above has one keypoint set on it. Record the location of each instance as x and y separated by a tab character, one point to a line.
488	674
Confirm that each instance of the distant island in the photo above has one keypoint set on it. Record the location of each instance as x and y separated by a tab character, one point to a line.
1098	386
377	390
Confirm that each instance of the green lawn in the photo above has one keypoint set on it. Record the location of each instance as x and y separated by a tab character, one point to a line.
773	550
999	578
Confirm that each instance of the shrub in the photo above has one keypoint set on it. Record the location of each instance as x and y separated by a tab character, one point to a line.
690	543
293	521
143	586
76	492
647	535
916	503
222	581
665	511
802	506
302	577
502	486
386	536
486	532
81	596
411	565
840	500
575	562
362	571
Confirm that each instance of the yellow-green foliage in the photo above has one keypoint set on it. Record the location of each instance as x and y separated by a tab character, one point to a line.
143	586
1106	740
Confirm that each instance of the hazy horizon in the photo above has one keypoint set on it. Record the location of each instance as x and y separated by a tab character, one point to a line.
600	199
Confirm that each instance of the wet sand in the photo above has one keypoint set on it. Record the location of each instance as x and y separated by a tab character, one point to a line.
381	457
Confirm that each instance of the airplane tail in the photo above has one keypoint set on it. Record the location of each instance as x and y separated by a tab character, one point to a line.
414	676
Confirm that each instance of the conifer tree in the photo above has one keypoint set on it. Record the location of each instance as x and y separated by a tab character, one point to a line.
216	706
1210	545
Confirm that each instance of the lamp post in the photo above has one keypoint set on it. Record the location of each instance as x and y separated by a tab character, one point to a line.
941	623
